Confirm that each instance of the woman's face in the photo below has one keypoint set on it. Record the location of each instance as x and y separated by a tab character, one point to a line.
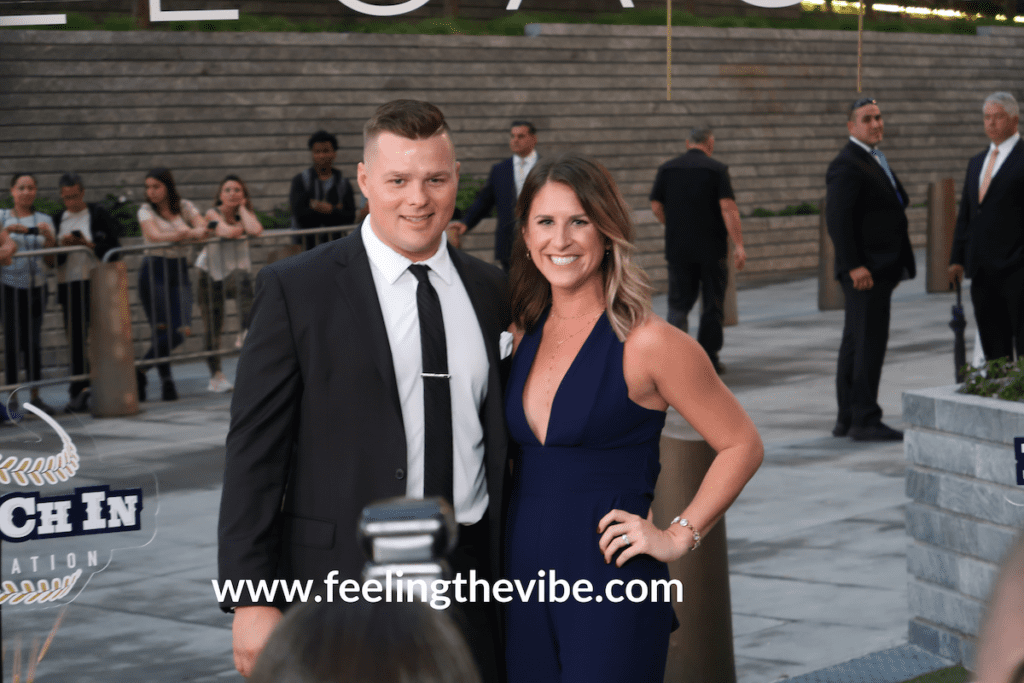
156	192
24	192
232	194
563	241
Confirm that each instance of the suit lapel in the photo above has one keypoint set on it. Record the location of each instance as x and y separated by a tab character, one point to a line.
354	282
1013	159
485	311
872	168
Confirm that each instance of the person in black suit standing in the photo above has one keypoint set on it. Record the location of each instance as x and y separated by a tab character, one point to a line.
865	208
371	370
989	240
692	197
504	184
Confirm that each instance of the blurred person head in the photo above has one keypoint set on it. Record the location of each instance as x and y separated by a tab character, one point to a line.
702	138
234	192
409	176
160	190
1000	657
324	147
72	192
522	138
1001	114
365	642
23	191
865	122
626	287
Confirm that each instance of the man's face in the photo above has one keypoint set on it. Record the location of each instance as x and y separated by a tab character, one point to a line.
866	124
522	141
999	125
410	186
73	198
323	156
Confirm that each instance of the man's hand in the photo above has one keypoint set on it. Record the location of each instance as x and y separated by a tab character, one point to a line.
740	257
861	277
321	206
956	273
249	633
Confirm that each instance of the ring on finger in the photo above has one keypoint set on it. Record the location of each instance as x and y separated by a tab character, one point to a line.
625	540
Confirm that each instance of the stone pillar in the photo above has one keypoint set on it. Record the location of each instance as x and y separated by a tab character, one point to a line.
941	223
111	352
701	650
830	293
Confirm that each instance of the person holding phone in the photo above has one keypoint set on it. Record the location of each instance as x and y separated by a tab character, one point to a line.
224	269
164	286
23	284
88	225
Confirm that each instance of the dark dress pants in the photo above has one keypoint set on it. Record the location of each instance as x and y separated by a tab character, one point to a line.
478	621
74	301
998	298
685	282
862	351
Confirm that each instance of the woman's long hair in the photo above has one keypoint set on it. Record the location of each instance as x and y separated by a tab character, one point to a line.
173	198
626	286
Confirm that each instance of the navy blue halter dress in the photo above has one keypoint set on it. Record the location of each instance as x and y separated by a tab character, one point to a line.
601	453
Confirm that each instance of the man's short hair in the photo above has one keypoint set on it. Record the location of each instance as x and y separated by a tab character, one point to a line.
529	126
410	119
1004	100
858	103
700	135
322	136
70	179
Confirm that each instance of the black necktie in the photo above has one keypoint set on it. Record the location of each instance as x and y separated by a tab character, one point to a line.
437	397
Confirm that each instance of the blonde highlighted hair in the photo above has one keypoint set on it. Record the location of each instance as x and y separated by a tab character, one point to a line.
626	286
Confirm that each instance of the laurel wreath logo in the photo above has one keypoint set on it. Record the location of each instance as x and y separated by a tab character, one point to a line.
41	471
44	591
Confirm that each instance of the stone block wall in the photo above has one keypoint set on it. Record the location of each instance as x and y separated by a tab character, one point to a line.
964	514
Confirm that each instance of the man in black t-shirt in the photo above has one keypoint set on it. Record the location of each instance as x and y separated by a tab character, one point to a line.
693	198
320	197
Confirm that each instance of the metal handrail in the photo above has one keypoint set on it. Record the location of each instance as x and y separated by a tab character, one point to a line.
274	233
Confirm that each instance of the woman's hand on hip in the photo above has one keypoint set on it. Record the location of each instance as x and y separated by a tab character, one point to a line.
641	538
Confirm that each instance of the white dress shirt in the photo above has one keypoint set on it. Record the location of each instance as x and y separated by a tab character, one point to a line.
467	364
867	148
1004	151
78	265
521	167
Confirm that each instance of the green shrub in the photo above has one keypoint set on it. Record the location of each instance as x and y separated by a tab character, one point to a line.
998	378
804	209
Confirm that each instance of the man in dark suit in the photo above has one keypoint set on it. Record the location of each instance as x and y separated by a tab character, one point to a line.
989	240
502	189
692	196
334	392
865	210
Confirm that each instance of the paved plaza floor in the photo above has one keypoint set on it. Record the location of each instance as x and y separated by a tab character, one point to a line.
816	540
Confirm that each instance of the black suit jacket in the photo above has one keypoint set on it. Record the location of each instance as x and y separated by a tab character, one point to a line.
105	230
340	193
990	234
500	193
316	423
866	219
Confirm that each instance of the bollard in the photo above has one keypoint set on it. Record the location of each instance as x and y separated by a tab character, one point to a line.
941	224
701	650
111	352
830	292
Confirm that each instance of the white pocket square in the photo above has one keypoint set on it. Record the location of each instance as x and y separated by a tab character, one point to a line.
505	345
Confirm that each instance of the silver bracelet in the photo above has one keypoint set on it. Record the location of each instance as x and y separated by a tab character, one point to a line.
696	534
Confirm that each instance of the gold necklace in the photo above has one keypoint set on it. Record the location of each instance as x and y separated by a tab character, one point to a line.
558	343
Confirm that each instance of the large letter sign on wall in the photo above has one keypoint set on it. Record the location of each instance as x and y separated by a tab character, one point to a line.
772	3
385	10
514	4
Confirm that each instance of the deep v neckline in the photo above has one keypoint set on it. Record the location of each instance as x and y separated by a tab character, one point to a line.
561	382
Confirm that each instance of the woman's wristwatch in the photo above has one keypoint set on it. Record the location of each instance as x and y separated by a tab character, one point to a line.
692	528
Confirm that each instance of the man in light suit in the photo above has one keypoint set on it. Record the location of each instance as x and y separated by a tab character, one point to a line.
504	184
989	240
330	411
865	211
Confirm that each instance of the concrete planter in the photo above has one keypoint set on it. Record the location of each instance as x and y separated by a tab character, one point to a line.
966	510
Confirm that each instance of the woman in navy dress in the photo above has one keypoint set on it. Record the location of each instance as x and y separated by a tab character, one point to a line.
593	374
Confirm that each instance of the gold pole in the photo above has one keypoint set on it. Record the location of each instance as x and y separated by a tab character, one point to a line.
668	51
860	43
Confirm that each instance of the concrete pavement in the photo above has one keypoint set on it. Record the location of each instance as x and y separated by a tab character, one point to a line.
817	543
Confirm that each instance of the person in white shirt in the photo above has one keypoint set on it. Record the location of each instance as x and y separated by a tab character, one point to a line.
224	269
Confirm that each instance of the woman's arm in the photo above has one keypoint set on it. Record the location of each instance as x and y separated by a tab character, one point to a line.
250	224
223	229
664	366
198	231
154	231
